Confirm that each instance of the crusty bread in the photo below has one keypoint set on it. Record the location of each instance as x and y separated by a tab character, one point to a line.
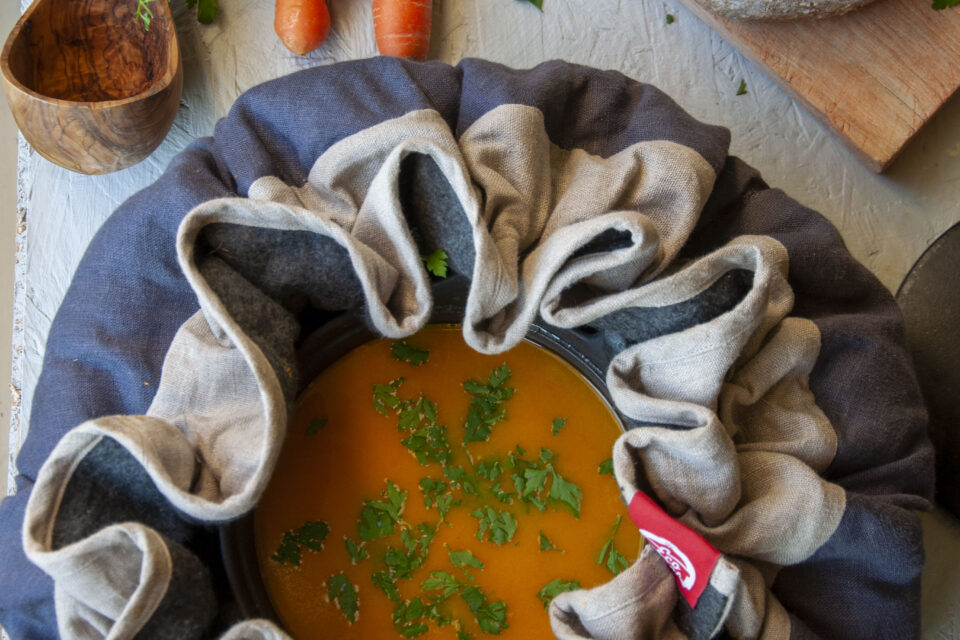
780	10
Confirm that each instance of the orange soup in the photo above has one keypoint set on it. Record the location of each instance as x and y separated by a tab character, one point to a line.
426	490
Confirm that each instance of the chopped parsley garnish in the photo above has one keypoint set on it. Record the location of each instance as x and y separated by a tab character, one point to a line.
406	353
436	263
554	588
486	408
379	517
558	424
944	4
545	544
742	89
442	582
498	525
315	425
615	562
385	396
357	552
531	477
491	616
310	535
407	618
383	581
670	18
464	559
342	591
455	479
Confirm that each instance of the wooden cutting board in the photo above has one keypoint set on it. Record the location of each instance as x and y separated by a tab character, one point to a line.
873	76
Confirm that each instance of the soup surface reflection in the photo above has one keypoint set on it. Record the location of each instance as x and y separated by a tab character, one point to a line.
427	490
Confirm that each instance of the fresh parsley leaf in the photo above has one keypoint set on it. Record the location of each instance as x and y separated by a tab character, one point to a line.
463	635
489	469
606	467
315	425
615	562
460	479
342	591
144	14
500	526
554	588
565	492
537	3
464	559
436	263
386	583
379	517
310	535
534	480
374	524
429	444
558	424
670	18
742	89
500	375
944	4
432	488
357	552
486	407
545	544
407	618
207	11
406	353
491	616
443	582
503	496
385	397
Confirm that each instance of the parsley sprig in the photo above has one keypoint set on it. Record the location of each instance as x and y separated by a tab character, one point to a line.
310	535
341	591
486	407
615	562
554	588
409	354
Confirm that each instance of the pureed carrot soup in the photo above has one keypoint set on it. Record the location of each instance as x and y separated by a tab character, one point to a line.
427	490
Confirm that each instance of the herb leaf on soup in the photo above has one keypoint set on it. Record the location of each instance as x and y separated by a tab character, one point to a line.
385	397
546	544
344	593
558	424
404	352
498	525
609	556
554	588
310	535
486	407
356	551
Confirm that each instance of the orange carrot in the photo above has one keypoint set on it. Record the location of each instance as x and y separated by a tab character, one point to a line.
302	25
403	27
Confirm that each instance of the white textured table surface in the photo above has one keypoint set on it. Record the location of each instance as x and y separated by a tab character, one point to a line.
886	220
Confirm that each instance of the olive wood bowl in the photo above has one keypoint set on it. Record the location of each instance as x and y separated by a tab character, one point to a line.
91	88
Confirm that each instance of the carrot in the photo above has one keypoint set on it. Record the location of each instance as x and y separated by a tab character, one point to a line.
402	27
302	25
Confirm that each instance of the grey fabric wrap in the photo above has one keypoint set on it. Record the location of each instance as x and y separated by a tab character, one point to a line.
584	214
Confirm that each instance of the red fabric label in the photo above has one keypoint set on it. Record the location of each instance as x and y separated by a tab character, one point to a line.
689	556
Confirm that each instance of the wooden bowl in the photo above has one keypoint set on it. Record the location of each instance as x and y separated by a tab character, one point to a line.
90	88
